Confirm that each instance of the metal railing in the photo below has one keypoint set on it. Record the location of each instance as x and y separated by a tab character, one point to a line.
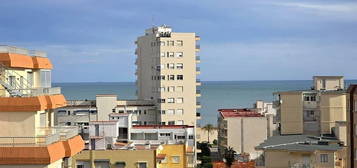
46	136
17	50
38	91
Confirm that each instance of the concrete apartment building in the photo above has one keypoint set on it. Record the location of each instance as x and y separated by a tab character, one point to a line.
163	156
28	136
167	72
301	151
314	111
243	130
352	126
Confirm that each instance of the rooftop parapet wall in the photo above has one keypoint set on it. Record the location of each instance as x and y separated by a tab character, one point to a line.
14	57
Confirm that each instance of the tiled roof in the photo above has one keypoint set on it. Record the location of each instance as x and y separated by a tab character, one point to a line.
227	113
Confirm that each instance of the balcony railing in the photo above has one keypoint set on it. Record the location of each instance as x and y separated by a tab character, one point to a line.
198	91
38	91
198	46
46	136
198	58
16	50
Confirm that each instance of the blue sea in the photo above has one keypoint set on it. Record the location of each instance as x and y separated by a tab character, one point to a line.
215	95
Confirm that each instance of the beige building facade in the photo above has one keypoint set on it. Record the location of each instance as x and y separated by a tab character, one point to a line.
243	130
298	151
312	112
166	73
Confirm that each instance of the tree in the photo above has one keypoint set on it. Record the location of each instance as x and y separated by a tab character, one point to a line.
229	154
209	128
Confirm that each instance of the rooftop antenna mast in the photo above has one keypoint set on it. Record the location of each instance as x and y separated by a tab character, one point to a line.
152	21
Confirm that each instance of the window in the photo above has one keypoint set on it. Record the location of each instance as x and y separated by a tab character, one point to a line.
170	100
179	77
179	88
170	54
162	43
162	54
162	77
171	111
180	122
120	165
162	89
179	43
162	112
179	54
113	110
171	123
175	159
171	88
192	137
163	123
121	111
171	77
165	134
170	43
179	111
179	66
142	165
180	136
144	111
179	100
161	100
171	66
323	158
45	78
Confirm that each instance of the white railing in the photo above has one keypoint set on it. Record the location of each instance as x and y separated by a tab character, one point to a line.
46	136
17	50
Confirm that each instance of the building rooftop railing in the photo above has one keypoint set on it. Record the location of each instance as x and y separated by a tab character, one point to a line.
46	136
37	91
17	50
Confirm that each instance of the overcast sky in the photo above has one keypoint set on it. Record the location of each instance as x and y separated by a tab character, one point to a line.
93	41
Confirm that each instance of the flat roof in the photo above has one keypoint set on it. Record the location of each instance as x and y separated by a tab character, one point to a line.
300	143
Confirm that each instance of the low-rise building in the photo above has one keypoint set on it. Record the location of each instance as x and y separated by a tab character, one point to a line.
296	151
115	158
313	111
242	129
28	136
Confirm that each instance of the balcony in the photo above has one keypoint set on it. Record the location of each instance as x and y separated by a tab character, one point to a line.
198	38
198	105
198	115
198	93
46	136
198	47
49	145
198	70
198	82
198	59
22	51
